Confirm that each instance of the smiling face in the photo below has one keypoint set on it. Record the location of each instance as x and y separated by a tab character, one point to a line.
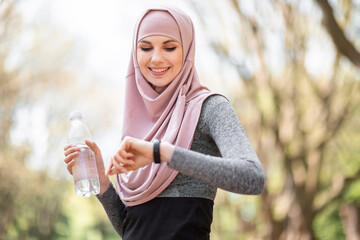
159	59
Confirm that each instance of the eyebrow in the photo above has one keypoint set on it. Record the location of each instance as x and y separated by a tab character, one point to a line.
167	41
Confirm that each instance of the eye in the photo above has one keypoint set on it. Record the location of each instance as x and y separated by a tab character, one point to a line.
146	49
170	49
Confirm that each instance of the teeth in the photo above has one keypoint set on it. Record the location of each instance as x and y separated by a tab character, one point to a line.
159	70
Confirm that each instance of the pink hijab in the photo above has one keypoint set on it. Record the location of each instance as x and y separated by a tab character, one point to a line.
170	115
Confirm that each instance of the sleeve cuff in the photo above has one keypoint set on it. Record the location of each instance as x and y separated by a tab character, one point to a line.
109	191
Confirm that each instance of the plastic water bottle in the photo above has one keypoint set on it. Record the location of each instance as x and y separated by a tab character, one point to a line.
86	178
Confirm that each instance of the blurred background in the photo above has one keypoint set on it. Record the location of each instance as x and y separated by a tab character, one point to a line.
291	70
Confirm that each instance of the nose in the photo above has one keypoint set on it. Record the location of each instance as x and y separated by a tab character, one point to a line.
157	57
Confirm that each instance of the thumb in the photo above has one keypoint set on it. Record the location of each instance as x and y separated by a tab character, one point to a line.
92	145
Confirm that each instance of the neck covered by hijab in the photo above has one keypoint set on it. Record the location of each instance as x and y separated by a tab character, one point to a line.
170	115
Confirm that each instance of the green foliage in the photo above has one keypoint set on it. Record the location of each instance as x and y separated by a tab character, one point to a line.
327	225
86	218
352	195
30	200
35	206
235	217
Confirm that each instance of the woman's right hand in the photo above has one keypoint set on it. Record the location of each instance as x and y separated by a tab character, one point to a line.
71	152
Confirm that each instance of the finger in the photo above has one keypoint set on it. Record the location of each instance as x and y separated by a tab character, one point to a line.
93	146
70	166
71	150
71	157
67	147
117	171
119	166
124	151
108	167
124	157
123	161
114	171
128	144
124	154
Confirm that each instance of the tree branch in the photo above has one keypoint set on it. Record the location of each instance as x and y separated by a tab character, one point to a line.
332	197
337	34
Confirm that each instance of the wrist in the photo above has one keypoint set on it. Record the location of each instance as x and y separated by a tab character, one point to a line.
166	151
104	184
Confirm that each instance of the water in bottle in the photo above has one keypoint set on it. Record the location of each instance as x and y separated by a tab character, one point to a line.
86	178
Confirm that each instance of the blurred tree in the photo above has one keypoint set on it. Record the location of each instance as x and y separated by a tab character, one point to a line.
34	203
336	32
30	201
296	98
28	209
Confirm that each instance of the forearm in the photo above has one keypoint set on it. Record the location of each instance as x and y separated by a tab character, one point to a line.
220	133
243	174
114	208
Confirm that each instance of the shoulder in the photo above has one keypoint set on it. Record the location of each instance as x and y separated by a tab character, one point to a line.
214	103
215	110
215	99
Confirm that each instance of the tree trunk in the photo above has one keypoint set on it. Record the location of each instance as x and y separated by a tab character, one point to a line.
351	223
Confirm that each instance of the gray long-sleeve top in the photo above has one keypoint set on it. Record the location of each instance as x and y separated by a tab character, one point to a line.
221	156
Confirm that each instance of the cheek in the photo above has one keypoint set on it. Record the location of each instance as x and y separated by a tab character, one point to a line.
177	61
179	65
141	59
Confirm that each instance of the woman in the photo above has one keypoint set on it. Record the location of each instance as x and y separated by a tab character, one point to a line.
180	141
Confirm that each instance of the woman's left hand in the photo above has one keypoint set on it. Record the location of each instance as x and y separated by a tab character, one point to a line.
133	154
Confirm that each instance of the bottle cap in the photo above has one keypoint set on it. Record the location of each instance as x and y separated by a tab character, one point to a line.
75	114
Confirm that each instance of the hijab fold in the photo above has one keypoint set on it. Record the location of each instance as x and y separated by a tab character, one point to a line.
170	115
